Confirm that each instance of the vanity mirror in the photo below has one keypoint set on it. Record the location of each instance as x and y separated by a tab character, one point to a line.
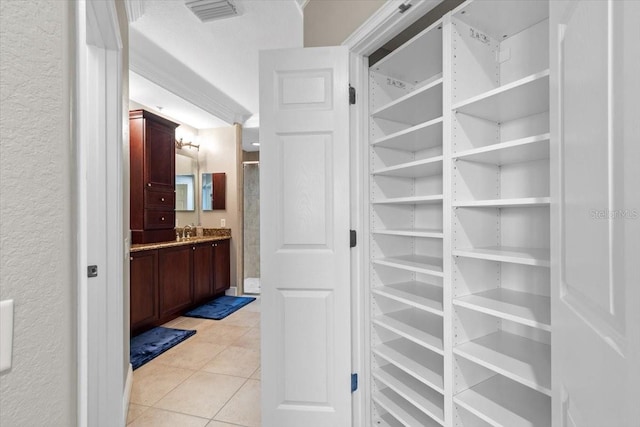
185	194
186	201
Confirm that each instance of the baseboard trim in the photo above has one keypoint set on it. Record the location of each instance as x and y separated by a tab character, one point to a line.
127	393
233	291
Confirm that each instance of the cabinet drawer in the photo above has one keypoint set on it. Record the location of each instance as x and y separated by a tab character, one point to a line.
159	199
159	219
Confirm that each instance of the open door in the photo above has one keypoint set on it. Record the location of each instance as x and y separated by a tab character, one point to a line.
304	201
595	158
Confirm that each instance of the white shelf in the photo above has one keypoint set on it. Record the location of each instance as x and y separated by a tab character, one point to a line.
419	106
502	402
502	18
415	263
402	410
417	59
526	256
416	326
419	137
425	399
420	295
520	359
412	232
415	169
411	200
522	98
504	203
516	151
424	365
520	307
390	420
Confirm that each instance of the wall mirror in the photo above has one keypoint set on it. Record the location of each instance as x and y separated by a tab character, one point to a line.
214	191
185	194
187	171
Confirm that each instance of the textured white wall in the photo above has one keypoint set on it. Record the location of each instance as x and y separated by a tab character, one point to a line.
36	166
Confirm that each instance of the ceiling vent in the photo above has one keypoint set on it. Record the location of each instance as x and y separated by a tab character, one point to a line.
211	10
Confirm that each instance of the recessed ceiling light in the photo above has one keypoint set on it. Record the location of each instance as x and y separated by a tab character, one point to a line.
255	144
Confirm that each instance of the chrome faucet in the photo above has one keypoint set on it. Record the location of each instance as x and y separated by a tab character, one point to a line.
185	234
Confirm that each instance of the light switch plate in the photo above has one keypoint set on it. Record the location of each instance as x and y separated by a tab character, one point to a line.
6	334
223	222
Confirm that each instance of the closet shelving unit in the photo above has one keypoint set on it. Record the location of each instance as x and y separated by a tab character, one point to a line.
459	222
406	240
500	214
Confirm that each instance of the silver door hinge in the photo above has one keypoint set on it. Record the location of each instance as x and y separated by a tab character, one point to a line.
352	95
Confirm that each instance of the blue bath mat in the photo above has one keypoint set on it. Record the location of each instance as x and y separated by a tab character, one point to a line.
219	308
151	344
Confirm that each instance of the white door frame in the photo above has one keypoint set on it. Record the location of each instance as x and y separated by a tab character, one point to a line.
382	26
99	218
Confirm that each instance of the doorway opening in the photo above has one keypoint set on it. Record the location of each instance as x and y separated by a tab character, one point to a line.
251	226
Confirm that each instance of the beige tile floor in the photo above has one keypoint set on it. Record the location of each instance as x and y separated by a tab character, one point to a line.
212	379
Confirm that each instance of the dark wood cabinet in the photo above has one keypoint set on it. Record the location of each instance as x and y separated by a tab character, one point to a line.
174	279
152	171
221	269
202	272
170	281
143	302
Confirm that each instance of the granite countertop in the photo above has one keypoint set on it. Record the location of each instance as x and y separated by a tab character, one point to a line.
210	235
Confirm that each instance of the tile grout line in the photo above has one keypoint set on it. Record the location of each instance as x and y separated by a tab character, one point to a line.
228	400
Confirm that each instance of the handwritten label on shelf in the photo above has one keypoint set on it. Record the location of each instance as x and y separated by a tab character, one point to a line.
483	38
396	83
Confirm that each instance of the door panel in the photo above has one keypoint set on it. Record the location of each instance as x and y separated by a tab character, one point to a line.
222	267
202	272
304	187
174	278
595	225
159	155
144	289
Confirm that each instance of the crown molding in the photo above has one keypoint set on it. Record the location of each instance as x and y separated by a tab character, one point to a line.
135	9
386	23
156	65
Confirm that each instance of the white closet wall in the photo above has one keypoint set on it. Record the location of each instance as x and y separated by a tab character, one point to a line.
459	221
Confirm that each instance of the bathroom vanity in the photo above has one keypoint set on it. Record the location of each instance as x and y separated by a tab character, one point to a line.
170	278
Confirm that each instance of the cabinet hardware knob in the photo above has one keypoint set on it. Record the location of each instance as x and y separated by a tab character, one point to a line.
130	258
162	219
162	199
148	184
194	248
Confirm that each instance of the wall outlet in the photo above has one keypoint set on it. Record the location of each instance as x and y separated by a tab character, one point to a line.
223	222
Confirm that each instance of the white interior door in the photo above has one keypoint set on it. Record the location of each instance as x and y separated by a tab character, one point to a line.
101	329
595	213
304	199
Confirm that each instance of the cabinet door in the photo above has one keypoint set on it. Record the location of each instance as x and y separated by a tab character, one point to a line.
202	272
159	156
143	290
174	276
221	270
